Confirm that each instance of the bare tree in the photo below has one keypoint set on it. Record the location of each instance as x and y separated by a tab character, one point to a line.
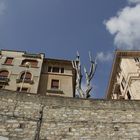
77	66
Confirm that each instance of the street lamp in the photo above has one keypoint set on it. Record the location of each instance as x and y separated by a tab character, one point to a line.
27	65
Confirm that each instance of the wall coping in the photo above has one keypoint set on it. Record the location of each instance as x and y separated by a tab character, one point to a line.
56	101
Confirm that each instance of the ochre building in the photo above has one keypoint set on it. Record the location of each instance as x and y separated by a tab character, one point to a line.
33	73
125	76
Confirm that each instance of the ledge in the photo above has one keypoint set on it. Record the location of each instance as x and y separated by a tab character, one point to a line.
25	81
32	55
4	80
55	91
30	67
7	64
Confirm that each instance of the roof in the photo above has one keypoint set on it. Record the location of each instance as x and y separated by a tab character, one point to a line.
25	53
62	61
118	55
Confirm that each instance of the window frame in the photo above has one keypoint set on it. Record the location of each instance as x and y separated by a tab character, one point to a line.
26	76
55	69
6	61
31	61
53	85
62	70
4	77
52	69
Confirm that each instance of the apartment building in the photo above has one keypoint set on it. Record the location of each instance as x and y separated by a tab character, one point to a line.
57	78
20	71
125	76
33	73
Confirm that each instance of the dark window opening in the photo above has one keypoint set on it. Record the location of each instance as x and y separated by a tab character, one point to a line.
1	86
128	95
9	61
62	70
136	59
123	83
122	86
55	69
49	69
55	84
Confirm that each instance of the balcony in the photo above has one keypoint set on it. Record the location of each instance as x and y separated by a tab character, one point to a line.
116	89
4	80
29	81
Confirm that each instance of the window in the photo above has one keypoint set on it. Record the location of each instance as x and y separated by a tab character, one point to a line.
136	59
49	69
55	84
128	95
62	70
9	61
55	69
26	76
4	74
23	89
122	86
1	86
33	63
123	83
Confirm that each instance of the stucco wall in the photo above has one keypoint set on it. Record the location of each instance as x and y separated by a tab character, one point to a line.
128	70
66	85
15	70
34	117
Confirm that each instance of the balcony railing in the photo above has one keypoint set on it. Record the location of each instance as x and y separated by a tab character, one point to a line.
25	81
4	80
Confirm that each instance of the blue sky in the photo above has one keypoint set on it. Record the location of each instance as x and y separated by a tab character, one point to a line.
59	28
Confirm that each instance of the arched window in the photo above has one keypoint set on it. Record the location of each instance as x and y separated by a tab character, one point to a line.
26	76
4	74
33	63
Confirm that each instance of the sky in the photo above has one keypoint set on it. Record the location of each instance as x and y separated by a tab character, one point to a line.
60	28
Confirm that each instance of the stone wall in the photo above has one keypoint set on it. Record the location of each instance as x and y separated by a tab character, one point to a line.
34	117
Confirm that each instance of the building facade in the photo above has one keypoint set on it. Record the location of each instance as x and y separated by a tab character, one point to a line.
20	71
125	76
33	73
57	78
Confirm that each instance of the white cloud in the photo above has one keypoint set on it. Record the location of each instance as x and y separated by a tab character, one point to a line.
103	57
2	7
125	27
